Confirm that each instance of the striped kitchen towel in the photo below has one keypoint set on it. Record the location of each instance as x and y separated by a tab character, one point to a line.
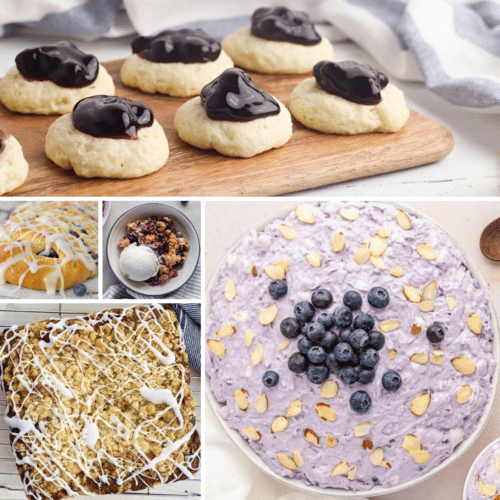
189	316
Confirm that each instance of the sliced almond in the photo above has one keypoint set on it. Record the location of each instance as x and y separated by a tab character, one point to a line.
340	468
275	272
384	232
314	259
305	214
377	456
411	294
241	398
284	264
397	271
279	424
329	389
351	475
403	220
248	338
283	345
389	325
325	412
294	408
268	314
497	464
229	289
362	255
367	444
451	302
415	329
411	442
297	458
338	242
362	429
311	436
475	323
420	404
429	291
226	331
392	353
260	404
217	347
257	355
286	461
488	490
287	232
252	433
385	464
255	271
378	245
420	456
420	358
378	263
426	251
463	365
426	306
330	441
349	213
436	359
464	393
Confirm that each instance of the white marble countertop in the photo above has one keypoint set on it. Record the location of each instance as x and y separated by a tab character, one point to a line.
472	168
464	220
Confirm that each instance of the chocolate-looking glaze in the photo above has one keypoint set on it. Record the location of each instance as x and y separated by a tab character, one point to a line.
234	96
174	46
111	116
284	25
61	63
3	137
359	83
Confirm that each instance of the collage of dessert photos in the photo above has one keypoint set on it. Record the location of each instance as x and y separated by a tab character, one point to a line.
249	259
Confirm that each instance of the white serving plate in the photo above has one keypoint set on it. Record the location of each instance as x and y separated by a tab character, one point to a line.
181	223
460	449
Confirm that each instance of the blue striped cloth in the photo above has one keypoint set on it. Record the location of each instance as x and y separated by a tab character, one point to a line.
189	316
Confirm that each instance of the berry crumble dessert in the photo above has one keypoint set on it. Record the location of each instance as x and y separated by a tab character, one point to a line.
350	345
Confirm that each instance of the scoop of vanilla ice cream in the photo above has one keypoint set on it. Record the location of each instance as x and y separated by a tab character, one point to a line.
138	263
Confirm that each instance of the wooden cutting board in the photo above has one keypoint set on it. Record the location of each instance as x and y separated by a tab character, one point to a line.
310	159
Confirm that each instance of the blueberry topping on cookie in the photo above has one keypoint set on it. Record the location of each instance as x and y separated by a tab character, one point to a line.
369	358
277	289
342	316
321	298
233	96
316	354
283	25
297	362
270	378
435	333
304	344
364	321
348	375
290	328
304	311
353	300
358	339
111	116
326	319
343	352
366	376
329	341
317	374
391	381
359	83
177	46
378	297
316	332
61	63
360	401
377	340
79	289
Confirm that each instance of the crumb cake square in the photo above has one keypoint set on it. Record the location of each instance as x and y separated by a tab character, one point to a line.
99	404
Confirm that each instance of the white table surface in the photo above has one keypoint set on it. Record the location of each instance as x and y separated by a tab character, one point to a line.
472	168
462	219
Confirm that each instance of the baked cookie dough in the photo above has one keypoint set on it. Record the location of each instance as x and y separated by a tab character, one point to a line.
136	151
40	94
13	166
177	63
320	110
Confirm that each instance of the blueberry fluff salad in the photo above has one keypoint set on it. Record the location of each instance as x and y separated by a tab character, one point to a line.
350	345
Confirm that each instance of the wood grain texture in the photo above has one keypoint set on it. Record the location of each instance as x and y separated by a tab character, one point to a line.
309	160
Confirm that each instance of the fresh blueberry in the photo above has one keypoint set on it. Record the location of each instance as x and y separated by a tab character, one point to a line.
348	375
270	378
344	335
304	344
329	341
354	361
304	327
317	374
297	363
378	297
316	354
343	352
316	332
369	358
80	290
353	300
366	376
290	328
277	289
377	340
364	321
435	333
360	401
358	339
304	311
391	381
326	319
342	317
332	363
321	298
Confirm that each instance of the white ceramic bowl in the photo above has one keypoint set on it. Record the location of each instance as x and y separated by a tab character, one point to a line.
243	445
105	210
181	223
